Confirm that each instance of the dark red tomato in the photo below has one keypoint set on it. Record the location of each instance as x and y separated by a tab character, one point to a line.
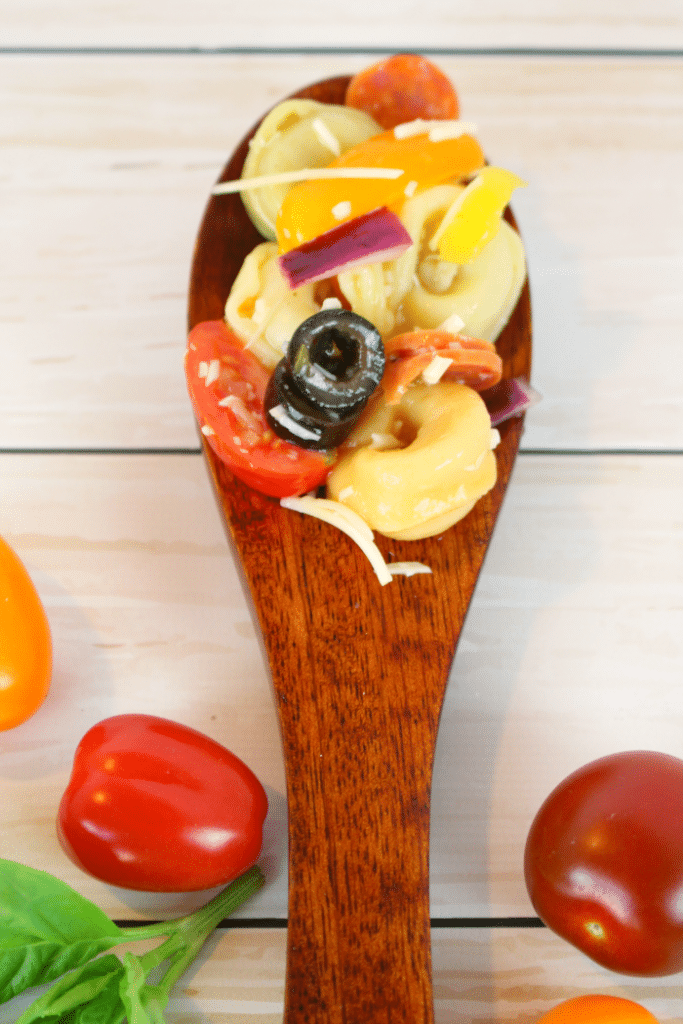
157	806
604	862
402	88
227	385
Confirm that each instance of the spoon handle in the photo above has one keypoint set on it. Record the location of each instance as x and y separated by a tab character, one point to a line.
359	674
359	729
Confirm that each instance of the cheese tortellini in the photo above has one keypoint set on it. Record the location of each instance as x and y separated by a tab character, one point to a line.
417	290
262	309
414	469
296	134
420	290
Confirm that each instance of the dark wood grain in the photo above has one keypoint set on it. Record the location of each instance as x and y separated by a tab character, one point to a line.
359	672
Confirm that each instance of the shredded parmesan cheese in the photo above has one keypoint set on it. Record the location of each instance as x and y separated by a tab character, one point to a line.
326	136
238	407
436	369
305	174
384	442
441	130
436	131
336	514
279	413
350	523
341	210
453	324
407	568
213	371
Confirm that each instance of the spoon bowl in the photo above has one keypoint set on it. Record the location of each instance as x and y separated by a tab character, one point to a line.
359	674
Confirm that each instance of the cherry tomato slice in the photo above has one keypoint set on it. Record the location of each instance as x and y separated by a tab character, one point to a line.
604	862
227	385
403	88
598	1010
25	643
156	806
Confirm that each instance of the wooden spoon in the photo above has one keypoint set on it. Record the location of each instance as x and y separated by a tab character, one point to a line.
359	673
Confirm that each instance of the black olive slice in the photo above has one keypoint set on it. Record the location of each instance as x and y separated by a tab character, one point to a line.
293	418
336	359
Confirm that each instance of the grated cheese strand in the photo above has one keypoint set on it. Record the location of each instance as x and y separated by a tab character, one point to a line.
326	137
437	131
407	568
305	174
279	413
433	373
453	323
336	514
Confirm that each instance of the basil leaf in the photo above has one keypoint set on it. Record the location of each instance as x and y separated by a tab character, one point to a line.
105	1008
46	928
144	1003
95	984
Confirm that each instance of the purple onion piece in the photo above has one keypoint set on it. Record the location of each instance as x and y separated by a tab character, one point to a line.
371	238
509	398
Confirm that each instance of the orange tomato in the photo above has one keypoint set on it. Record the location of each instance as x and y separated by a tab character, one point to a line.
25	643
598	1010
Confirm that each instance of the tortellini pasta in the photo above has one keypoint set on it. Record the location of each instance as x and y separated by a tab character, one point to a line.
262	309
417	290
414	469
294	135
420	290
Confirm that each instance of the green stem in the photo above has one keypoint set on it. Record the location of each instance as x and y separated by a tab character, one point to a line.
187	935
222	905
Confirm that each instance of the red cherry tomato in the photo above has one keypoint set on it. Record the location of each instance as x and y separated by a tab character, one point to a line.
403	88
598	1010
604	862
25	643
229	410
156	806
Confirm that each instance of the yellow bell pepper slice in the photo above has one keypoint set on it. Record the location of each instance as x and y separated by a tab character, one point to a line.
312	207
474	217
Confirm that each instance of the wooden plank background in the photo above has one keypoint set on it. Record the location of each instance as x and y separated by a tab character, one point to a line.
113	128
360	24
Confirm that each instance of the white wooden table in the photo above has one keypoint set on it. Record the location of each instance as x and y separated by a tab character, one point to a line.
114	123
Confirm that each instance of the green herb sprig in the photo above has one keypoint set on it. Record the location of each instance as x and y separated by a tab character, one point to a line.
48	932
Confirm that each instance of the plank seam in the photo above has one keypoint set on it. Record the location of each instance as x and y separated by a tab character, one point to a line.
238	51
436	922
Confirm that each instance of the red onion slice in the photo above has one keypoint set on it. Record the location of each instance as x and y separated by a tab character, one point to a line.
370	238
509	398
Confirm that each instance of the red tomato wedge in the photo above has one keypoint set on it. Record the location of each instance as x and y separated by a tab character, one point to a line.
474	362
227	385
403	88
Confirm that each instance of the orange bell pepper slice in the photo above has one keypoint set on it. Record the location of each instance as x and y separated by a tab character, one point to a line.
320	204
